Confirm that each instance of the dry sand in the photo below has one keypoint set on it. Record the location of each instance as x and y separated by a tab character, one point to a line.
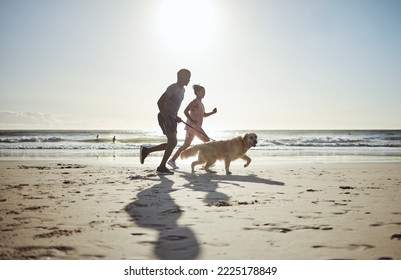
89	210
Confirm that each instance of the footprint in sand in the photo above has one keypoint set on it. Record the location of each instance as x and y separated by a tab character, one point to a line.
70	166
58	233
220	203
33	208
67	182
35	167
36	252
376	224
396	236
346	188
349	247
137	234
271	229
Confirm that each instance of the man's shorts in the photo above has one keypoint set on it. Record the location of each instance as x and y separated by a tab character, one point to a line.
172	128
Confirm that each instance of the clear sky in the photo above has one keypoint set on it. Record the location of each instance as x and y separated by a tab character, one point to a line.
265	64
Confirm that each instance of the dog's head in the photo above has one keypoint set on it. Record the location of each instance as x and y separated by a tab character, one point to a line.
251	139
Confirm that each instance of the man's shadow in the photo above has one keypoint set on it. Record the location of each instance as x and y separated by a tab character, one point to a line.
155	209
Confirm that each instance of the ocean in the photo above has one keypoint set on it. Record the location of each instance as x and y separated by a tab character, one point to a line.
278	145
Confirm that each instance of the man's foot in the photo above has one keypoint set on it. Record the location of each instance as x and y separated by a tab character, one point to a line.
164	171
172	164
143	153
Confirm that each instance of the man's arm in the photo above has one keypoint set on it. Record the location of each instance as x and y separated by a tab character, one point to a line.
160	103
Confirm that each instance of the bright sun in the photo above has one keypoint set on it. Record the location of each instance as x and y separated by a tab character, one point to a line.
187	26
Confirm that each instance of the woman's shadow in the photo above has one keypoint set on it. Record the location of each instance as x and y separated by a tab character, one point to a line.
155	209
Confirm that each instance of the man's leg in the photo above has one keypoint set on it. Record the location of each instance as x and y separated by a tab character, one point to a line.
157	148
171	143
144	152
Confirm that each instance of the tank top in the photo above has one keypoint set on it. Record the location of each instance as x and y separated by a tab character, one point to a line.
197	114
175	95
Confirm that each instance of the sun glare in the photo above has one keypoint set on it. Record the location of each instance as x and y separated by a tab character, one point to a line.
187	26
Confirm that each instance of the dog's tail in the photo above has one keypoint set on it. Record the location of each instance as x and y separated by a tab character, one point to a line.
191	152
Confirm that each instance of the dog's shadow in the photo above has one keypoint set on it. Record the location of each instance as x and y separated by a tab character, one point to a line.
209	183
251	178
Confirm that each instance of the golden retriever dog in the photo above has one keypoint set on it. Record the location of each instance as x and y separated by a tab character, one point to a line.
227	150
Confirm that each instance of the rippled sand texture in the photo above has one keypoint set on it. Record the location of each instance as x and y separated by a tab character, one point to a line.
90	210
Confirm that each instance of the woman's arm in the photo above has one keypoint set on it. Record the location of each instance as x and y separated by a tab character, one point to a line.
211	113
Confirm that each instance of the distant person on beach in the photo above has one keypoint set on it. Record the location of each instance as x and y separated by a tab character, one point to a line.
114	139
195	112
169	104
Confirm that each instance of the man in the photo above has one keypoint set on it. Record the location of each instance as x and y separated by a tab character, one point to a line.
169	104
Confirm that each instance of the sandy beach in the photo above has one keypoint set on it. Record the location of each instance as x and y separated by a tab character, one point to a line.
74	209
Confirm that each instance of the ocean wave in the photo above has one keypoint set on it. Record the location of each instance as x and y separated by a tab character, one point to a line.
32	140
392	138
328	142
130	146
321	144
125	140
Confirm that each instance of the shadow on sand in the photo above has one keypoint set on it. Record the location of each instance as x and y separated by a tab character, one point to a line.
155	209
209	183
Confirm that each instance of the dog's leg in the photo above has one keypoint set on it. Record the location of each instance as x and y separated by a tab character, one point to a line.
227	162
195	163
208	165
247	159
200	160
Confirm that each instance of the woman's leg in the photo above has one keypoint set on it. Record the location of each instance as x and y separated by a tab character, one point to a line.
201	134
189	137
